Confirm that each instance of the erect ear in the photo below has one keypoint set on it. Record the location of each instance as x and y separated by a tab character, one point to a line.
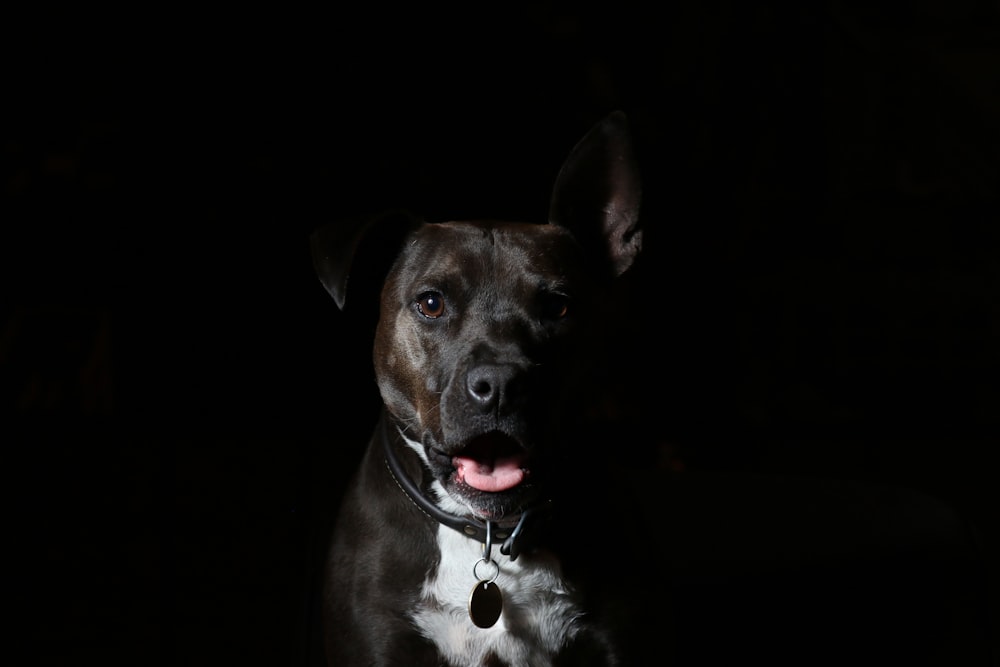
359	253
597	195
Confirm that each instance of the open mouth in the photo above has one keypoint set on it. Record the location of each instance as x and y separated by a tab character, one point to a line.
491	462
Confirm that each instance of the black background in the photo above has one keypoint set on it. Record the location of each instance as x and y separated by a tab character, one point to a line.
181	400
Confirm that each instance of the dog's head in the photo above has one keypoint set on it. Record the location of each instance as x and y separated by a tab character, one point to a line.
480	322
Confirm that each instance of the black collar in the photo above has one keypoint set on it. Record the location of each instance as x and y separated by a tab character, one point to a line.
514	540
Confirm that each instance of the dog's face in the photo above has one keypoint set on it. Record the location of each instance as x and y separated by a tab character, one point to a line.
476	324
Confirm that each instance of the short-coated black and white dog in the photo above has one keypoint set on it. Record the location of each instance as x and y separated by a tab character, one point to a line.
474	532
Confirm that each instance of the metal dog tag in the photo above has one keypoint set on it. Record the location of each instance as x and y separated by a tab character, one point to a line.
485	604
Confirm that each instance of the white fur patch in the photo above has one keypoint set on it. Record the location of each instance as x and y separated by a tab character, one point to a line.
539	615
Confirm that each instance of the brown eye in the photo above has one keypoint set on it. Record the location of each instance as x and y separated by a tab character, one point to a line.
555	306
430	305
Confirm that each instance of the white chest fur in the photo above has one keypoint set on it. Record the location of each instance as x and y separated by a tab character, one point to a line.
539	615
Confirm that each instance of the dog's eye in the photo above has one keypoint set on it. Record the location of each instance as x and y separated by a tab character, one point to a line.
555	306
430	305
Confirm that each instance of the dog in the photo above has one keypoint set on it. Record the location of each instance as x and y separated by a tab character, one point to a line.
471	533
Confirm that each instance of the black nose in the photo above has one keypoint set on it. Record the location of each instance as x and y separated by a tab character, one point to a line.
493	386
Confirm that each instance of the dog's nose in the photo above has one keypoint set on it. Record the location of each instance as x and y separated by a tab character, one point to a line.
492	386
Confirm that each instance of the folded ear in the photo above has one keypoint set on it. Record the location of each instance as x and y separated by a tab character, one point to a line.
597	195
359	252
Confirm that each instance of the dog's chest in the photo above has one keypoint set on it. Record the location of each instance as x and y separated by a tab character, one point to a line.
539	615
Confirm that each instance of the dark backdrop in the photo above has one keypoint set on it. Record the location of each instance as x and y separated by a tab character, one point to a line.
181	400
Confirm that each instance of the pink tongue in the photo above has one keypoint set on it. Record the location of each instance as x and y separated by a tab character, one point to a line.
498	474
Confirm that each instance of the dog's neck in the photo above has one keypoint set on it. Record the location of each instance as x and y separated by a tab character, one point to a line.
515	538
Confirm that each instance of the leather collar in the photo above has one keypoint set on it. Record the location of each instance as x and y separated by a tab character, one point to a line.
514	540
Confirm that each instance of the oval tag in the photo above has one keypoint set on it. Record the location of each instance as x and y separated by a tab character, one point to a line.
485	604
